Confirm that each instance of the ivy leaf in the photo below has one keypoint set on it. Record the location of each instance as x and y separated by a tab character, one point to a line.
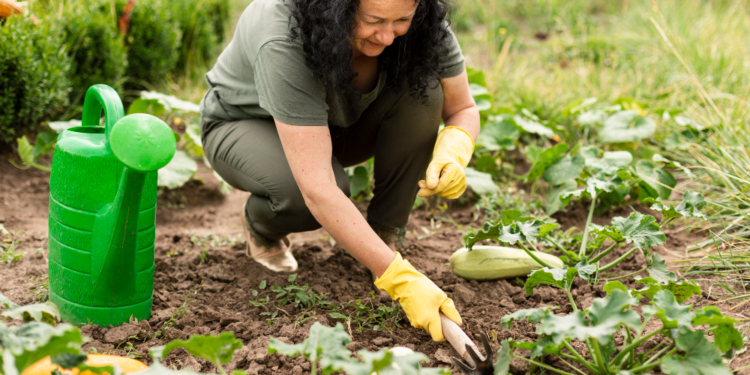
671	313
480	183
642	230
658	270
215	349
626	126
564	169
700	358
544	160
559	277
324	343
656	182
690	206
532	315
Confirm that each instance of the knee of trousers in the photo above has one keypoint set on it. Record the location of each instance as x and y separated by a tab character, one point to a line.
425	114
292	209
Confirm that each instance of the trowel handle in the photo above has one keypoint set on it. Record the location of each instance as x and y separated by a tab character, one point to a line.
458	338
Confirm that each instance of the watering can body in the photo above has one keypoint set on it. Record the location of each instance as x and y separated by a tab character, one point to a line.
102	218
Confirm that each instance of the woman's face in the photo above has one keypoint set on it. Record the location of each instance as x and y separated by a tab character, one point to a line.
378	22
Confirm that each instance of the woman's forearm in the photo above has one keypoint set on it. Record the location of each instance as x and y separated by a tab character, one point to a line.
467	119
343	221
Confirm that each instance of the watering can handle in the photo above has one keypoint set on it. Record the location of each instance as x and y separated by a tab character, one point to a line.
100	97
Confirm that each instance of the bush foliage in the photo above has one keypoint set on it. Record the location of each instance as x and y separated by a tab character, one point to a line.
34	83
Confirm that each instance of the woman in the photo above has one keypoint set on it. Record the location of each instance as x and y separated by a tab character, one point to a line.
308	87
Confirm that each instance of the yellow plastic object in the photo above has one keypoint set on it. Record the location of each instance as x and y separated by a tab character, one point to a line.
127	365
420	298
497	262
445	174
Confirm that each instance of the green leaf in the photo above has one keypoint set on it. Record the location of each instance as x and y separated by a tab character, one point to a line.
606	314
554	203
690	206
700	358
40	312
5	301
476	76
711	315
544	160
59	126
150	106
69	360
178	172
682	290
324	343
671	313
498	135
586	270
559	277
642	230
626	126
508	217
532	315
532	126
359	180
564	169
504	357
609	163
215	349
615	285
25	151
480	183
656	182
45	142
35	340
169	102
727	338
658	270
673	164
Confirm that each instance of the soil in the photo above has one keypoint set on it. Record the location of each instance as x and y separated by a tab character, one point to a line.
204	280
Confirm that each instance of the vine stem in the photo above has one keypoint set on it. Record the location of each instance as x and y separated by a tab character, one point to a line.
542	365
572	301
571	366
542	263
217	362
618	260
632	346
588	222
625	276
599	359
557	245
604	253
580	358
647	367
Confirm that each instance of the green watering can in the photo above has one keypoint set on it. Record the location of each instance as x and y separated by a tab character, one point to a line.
102	211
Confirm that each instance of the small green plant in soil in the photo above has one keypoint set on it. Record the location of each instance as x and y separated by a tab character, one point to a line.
40	288
326	350
682	347
642	231
363	315
8	253
178	314
301	297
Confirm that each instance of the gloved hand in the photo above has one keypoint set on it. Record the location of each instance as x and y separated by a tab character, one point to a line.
445	174
419	296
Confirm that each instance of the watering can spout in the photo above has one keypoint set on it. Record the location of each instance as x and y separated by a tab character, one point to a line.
143	143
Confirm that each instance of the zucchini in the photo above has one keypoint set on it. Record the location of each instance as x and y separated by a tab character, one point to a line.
497	262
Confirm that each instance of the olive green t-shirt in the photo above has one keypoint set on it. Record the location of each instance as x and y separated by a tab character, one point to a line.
262	74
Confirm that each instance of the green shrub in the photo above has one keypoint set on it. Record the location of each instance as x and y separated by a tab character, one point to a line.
152	43
199	39
34	83
218	12
95	47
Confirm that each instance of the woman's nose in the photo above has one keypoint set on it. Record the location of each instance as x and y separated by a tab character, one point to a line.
386	36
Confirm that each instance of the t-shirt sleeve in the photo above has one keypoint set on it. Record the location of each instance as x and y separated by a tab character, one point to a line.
286	87
452	63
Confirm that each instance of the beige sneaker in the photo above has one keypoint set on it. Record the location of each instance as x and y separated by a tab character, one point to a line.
276	256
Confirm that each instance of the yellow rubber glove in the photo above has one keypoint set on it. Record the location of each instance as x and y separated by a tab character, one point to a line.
445	174
420	298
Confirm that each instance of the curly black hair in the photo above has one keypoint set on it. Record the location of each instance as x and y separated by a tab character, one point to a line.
326	27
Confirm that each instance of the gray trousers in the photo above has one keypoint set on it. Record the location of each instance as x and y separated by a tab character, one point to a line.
398	130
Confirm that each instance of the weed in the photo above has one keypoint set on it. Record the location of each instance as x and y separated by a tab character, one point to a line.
301	297
40	288
363	314
8	253
179	313
173	253
129	347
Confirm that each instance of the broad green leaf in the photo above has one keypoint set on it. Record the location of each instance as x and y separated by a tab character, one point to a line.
25	151
554	203
498	135
727	338
532	315
359	180
480	183
532	153
559	277
594	186
35	340
690	206
476	76
615	285
150	106
586	270
671	313
215	349
508	217
656	182
642	230
578	106
564	169
69	360
626	126
700	357
682	290
45	142
5	301
40	312
673	164
606	314
193	143
178	172
532	126
689	123
609	163
504	357
593	117
658	270
169	102
711	315
544	160
324	343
